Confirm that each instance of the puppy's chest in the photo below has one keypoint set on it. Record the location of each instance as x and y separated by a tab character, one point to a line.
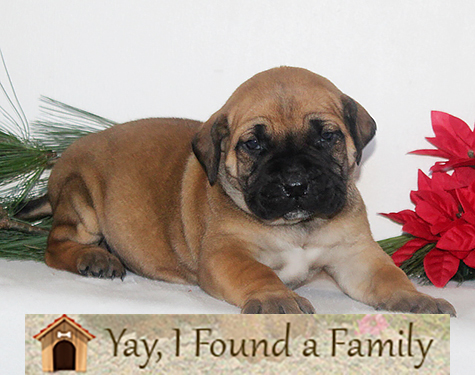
291	260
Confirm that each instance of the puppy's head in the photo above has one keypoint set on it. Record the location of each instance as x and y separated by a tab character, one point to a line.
284	145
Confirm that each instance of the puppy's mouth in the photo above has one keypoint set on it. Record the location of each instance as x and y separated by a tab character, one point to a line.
289	203
298	215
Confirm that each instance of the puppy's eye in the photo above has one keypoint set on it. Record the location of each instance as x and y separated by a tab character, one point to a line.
252	145
328	136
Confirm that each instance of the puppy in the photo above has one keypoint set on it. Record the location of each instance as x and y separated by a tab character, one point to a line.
248	205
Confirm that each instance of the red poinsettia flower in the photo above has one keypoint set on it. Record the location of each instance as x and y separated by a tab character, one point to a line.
444	215
454	140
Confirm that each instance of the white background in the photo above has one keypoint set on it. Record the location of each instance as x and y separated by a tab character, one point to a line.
125	59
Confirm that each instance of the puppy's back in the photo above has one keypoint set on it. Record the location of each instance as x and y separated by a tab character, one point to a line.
134	149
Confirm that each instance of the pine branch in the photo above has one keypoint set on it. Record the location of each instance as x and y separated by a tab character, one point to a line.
21	240
391	245
22	246
11	224
26	155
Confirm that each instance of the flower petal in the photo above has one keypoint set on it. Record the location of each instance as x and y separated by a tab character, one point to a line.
440	266
439	199
412	224
444	181
455	125
465	176
423	181
451	132
450	145
453	163
431	152
438	220
466	197
401	217
419	229
470	259
459	238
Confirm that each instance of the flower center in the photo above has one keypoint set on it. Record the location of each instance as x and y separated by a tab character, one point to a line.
459	214
471	154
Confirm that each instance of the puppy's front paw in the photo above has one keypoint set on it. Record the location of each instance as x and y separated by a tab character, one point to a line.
100	263
278	304
418	303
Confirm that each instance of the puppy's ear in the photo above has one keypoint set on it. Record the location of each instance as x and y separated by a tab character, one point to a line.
207	145
359	123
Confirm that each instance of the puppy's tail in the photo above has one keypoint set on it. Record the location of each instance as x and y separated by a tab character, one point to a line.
35	209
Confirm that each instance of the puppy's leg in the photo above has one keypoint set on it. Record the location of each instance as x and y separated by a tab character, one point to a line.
369	275
228	271
73	243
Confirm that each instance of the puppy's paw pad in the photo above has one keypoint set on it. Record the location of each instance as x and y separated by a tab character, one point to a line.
100	264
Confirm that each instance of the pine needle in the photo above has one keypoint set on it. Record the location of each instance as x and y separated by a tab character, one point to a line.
464	273
18	157
414	266
390	245
20	246
61	124
18	121
26	155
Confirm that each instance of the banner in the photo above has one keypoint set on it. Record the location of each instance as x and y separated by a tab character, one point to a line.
222	344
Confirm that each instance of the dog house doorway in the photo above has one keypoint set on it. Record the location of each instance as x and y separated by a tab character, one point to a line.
64	356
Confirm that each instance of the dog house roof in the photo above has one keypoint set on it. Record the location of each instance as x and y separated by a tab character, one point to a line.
60	320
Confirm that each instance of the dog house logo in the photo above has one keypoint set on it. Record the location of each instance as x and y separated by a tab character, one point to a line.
64	345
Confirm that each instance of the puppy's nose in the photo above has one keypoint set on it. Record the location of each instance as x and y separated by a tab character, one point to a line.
295	186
